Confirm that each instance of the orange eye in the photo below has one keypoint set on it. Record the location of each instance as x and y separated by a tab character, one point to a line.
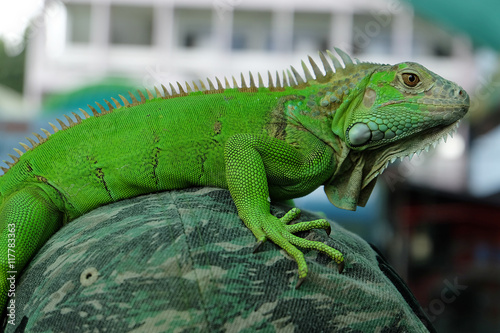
410	79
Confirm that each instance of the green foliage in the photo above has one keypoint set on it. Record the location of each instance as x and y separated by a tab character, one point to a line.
72	100
12	69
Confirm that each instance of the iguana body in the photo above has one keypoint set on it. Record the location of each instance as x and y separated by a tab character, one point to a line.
338	129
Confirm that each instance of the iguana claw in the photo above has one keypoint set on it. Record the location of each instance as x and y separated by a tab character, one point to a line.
299	282
257	246
302	279
328	230
341	267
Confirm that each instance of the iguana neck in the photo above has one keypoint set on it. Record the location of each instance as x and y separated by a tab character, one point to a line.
324	111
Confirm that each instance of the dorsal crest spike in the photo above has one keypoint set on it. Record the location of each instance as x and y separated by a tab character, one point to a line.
71	123
150	95
210	85
14	157
166	94
54	127
278	81
188	87
291	78
252	81
25	146
103	110
9	164
85	114
219	84
243	84
94	111
141	96
125	101
326	64
195	86
309	77
117	104
47	133
317	72
77	117
297	76
336	63
33	143
63	125
261	82
344	56
285	82
203	86
181	90
158	93
270	80
18	151
132	97
109	105
4	169
226	82
39	137
235	84
172	89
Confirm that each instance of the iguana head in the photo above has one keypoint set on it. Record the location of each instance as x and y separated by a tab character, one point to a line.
405	106
392	112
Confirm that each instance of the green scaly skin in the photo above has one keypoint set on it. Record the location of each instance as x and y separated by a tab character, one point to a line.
339	129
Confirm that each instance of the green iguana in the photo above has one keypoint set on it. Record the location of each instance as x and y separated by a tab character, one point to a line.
340	129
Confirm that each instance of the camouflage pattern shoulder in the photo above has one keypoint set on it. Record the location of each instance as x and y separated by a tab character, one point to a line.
182	261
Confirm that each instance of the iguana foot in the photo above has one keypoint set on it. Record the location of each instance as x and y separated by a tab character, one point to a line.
281	233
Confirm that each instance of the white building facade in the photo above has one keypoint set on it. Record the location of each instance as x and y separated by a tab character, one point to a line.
160	41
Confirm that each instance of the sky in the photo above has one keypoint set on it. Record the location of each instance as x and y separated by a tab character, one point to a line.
14	17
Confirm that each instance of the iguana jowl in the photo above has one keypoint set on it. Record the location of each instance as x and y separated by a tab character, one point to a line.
339	127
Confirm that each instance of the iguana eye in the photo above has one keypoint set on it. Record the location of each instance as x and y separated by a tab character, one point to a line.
410	79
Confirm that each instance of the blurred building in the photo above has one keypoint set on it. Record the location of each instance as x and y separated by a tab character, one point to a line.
156	41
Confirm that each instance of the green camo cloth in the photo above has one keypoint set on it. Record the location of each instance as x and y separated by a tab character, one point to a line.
182	261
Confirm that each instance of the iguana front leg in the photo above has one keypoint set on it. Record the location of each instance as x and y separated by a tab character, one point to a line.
253	162
27	219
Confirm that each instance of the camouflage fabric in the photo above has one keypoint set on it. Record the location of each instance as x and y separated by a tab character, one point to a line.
182	261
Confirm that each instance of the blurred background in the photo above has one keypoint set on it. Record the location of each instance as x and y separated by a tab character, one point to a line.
435	217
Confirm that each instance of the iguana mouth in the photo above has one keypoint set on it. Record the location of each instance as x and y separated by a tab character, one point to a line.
436	104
